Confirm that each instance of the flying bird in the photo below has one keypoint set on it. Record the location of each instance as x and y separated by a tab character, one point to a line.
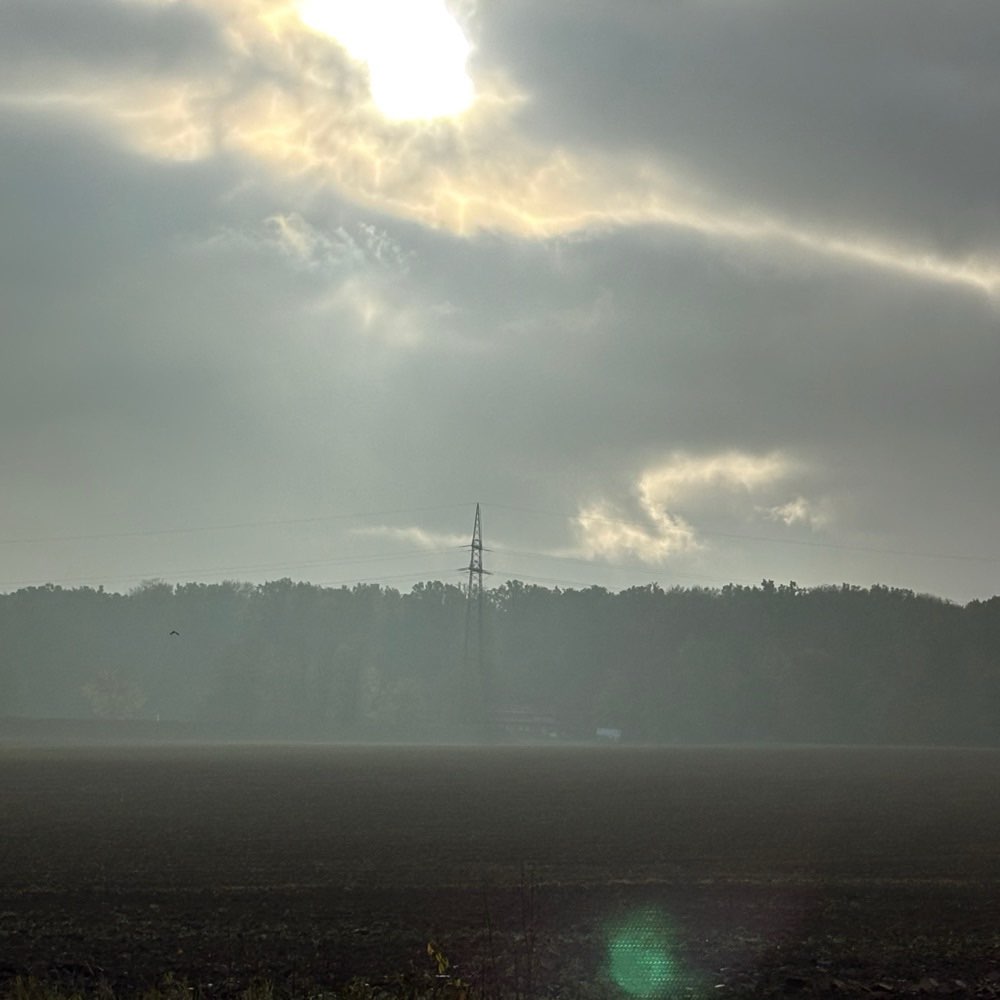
174	631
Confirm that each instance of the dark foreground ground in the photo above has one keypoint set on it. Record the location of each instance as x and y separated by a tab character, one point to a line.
748	872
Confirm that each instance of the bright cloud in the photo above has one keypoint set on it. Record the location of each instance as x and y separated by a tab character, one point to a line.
330	253
684	476
288	92
605	535
687	482
798	511
308	247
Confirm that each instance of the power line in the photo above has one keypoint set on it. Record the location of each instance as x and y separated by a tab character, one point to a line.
231	569
767	539
600	568
228	527
426	574
604	567
587	584
560	515
416	576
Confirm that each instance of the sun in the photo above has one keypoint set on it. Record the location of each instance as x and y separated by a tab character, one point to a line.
415	51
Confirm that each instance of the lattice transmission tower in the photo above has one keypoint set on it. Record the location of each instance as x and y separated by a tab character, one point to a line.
476	680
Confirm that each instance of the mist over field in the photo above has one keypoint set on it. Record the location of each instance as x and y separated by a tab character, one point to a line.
516	662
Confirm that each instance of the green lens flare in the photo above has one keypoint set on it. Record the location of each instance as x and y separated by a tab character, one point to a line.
640	959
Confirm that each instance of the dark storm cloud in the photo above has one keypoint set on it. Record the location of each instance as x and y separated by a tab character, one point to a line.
859	115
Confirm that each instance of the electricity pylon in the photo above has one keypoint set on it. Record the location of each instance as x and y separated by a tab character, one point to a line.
476	681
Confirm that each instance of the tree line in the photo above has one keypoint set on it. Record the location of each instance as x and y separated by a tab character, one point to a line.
838	664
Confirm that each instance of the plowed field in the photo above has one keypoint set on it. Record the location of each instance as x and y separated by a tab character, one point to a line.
760	871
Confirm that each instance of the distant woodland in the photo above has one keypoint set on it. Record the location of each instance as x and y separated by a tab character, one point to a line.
291	660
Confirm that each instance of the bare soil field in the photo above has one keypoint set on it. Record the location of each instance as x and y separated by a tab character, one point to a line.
759	871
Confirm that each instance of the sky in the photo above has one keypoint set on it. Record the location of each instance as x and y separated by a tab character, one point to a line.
681	291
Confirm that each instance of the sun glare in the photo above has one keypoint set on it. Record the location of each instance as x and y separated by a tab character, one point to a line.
414	49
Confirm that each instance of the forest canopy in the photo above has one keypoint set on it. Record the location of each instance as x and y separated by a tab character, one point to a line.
769	663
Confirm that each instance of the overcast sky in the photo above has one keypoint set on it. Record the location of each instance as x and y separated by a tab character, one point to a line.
687	291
